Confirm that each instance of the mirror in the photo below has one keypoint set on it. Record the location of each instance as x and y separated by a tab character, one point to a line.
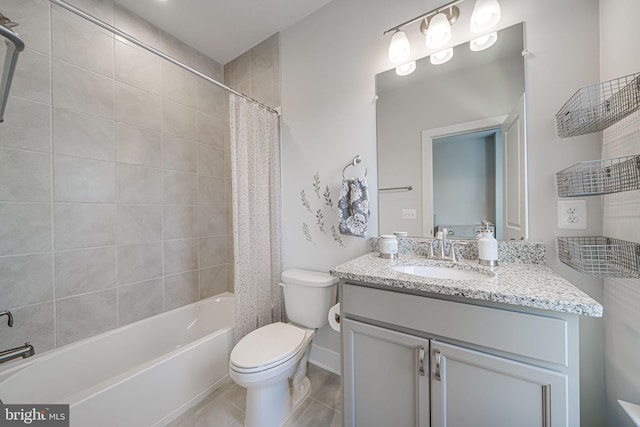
451	143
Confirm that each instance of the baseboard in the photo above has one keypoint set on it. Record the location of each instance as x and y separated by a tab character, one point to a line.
325	358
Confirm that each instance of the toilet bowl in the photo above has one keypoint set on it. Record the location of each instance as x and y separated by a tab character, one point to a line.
266	359
265	372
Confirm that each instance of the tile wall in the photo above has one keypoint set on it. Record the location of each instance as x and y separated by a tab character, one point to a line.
257	72
113	165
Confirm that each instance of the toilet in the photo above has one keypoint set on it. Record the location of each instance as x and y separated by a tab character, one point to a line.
266	359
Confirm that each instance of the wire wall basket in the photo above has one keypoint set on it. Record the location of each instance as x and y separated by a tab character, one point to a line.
600	256
596	107
596	177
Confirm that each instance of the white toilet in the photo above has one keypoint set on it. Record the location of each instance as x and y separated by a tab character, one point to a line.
265	359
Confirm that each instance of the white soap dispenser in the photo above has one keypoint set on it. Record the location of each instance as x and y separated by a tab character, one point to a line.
487	246
388	246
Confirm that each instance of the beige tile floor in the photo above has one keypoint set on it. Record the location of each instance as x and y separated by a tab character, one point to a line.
225	406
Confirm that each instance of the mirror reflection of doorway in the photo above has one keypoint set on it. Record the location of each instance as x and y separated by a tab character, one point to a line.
465	174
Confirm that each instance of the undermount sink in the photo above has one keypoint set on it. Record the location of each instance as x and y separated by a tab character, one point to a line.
436	272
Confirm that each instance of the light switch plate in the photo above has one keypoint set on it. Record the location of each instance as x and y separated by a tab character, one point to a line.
572	214
409	214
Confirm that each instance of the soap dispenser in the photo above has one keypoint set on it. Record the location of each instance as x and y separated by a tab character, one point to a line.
487	246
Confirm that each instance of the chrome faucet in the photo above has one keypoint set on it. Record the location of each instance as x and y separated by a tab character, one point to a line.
9	315
441	237
24	351
441	241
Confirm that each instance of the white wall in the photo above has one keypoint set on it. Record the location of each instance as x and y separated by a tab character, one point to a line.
329	63
619	34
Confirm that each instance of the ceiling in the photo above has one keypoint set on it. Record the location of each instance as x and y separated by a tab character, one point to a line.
223	29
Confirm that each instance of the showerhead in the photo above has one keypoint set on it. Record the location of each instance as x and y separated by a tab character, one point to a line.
6	22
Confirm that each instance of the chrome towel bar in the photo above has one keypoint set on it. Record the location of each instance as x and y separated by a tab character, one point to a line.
407	188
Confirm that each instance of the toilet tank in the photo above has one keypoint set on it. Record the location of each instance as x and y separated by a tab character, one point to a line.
308	296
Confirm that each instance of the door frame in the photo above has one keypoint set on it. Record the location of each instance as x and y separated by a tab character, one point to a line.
428	135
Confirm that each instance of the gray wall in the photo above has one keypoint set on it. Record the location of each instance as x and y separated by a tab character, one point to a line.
112	177
618	33
328	74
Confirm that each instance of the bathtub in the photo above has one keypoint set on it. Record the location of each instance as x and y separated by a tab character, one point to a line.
143	374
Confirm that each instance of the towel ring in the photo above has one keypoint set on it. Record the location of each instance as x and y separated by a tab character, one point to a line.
357	159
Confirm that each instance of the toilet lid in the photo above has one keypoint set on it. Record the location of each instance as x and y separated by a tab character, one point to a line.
267	345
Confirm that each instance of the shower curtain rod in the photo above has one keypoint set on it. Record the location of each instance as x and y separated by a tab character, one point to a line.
155	51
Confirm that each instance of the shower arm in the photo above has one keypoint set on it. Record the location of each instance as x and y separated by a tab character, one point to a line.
155	51
15	45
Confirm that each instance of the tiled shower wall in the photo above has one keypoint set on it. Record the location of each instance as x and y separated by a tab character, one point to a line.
112	177
257	72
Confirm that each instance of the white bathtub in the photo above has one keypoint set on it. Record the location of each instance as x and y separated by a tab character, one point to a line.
143	374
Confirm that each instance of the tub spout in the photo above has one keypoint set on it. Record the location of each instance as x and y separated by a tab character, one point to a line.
25	351
9	315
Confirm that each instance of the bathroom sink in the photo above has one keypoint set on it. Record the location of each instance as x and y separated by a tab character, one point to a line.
436	272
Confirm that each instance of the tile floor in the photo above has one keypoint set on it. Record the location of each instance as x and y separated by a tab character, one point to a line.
225	406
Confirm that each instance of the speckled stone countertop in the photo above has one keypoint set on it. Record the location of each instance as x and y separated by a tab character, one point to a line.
527	285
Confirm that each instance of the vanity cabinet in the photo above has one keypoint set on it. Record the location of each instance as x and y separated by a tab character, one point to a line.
389	379
471	388
412	360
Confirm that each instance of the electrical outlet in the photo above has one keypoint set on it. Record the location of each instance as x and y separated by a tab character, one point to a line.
409	214
572	214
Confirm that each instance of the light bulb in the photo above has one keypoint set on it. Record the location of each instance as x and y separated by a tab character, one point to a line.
486	14
406	69
483	42
439	31
399	48
441	57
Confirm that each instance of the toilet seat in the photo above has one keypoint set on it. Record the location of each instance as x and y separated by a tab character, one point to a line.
267	347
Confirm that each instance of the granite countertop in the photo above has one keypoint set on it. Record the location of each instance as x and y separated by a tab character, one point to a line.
527	285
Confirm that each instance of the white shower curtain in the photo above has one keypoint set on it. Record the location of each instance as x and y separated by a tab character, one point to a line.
256	201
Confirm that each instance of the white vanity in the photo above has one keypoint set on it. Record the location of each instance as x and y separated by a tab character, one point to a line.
498	350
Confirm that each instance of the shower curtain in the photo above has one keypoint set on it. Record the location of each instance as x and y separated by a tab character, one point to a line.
256	201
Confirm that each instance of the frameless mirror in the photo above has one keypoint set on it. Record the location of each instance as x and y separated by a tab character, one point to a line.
452	145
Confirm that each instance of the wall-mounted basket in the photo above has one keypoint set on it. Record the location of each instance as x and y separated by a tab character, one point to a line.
596	177
596	107
600	256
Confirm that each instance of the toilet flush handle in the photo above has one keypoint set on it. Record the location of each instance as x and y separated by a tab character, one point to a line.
284	285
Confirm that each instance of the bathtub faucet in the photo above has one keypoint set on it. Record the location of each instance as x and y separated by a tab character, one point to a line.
9	315
25	351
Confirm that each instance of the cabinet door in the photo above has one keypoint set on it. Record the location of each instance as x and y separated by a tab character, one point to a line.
470	389
385	377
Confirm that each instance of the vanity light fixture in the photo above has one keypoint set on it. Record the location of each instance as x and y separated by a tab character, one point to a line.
436	26
406	69
399	49
441	57
483	42
486	14
438	31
